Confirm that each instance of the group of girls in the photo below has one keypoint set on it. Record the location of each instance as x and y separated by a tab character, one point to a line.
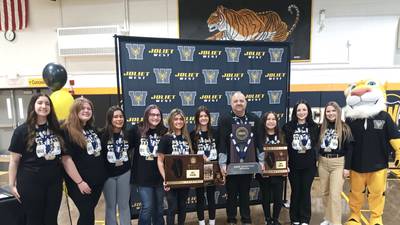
43	152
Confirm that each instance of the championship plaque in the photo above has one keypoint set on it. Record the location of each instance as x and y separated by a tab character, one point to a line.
184	170
276	160
242	152
212	174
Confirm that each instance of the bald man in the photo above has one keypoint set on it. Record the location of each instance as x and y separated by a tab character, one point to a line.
238	184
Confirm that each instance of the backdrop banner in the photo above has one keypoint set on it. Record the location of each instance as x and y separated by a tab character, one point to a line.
185	74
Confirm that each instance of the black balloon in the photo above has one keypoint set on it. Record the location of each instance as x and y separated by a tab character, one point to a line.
55	76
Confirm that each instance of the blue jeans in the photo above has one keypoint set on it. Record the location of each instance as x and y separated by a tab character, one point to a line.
151	212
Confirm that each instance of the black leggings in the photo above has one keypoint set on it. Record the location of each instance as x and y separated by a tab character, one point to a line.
41	193
85	203
271	187
300	198
201	202
177	199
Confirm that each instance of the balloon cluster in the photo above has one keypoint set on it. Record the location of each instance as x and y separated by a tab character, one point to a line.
55	77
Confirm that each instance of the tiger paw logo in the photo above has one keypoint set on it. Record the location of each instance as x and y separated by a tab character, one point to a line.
135	51
214	118
275	76
210	54
138	98
393	107
136	75
255	97
210	98
186	53
232	76
162	75
161	52
275	55
210	76
228	95
274	97
232	54
254	54
186	76
254	76
163	98
188	98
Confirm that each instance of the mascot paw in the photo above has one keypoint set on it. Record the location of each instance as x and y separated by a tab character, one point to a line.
352	222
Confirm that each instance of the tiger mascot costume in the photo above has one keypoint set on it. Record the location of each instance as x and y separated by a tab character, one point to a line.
247	25
374	134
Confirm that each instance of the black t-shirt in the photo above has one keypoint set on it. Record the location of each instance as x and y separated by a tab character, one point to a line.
301	140
330	145
116	151
35	158
173	144
372	146
205	145
89	160
145	169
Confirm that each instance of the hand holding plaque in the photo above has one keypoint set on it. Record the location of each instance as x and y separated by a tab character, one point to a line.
276	160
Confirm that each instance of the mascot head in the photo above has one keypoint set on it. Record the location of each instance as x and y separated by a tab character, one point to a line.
364	99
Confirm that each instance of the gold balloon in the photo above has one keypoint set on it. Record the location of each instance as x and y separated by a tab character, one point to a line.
62	102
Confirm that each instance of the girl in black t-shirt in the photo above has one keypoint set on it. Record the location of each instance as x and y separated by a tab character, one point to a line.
83	161
35	169
176	142
271	186
204	143
301	134
146	137
116	150
335	149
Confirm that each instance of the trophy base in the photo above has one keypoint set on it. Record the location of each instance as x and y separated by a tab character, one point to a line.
243	168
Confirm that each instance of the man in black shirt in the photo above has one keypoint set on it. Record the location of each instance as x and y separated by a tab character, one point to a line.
238	184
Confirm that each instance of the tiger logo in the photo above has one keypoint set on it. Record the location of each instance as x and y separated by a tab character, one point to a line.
247	25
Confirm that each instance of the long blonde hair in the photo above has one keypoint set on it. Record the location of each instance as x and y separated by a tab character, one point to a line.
342	129
171	128
73	124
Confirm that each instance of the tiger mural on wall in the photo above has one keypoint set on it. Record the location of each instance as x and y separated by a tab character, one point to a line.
247	25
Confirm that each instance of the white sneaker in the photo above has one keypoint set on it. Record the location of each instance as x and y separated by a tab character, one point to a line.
304	223
325	222
202	222
212	222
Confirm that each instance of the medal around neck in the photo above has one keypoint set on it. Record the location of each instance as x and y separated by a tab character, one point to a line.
242	151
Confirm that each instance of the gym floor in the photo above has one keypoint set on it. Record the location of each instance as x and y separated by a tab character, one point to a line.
391	214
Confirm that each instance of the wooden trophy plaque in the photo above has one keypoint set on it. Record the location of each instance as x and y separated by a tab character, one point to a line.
184	171
276	160
212	174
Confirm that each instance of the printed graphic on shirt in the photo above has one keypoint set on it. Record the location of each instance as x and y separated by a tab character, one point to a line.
301	140
330	140
378	124
93	146
117	150
272	140
179	147
207	147
47	144
149	146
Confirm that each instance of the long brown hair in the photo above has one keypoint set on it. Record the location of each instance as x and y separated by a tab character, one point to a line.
185	132
145	125
108	127
73	124
277	131
197	128
342	129
31	120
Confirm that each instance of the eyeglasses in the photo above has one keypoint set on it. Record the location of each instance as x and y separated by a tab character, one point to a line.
155	114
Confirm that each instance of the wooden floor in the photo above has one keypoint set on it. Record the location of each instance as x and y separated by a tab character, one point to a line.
391	213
